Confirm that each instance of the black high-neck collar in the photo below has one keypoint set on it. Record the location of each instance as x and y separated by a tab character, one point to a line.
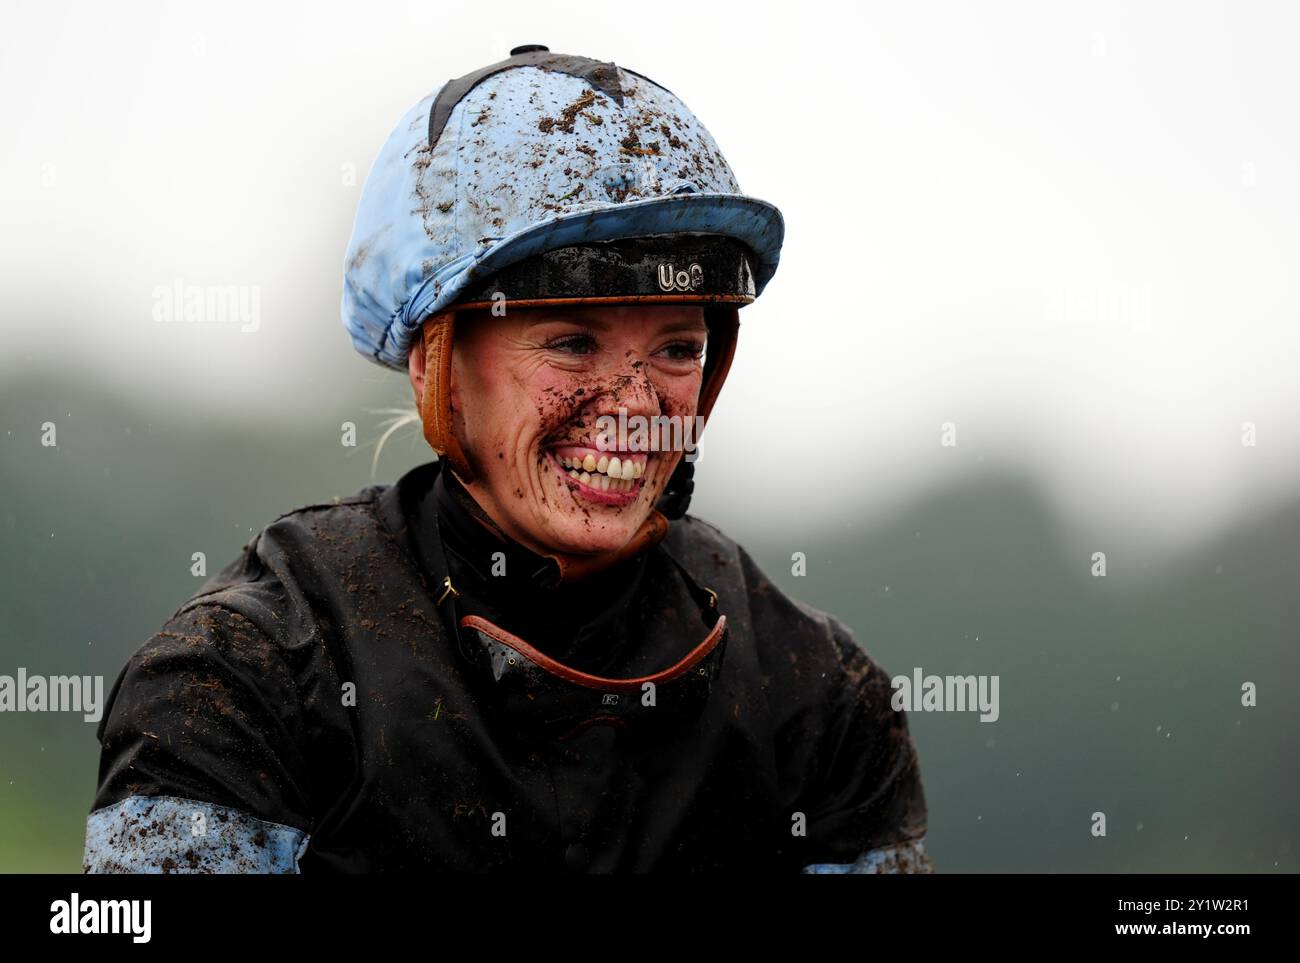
574	622
477	541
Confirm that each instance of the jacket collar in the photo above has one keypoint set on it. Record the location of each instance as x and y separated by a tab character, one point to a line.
475	529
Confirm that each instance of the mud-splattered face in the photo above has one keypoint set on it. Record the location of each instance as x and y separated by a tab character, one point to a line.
527	390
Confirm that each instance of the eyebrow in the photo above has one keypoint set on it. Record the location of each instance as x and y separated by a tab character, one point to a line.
599	324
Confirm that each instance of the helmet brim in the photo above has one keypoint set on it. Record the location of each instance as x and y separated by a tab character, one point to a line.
754	222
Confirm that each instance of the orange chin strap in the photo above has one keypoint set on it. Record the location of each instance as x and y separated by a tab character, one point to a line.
435	411
435	405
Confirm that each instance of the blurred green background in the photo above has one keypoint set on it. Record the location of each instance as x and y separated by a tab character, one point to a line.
1118	694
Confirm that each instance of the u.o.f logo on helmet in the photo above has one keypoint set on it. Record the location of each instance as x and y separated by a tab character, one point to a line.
686	280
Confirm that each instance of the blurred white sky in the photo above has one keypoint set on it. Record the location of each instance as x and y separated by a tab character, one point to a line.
1067	228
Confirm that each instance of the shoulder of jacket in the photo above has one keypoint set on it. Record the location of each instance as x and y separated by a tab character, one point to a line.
323	519
705	548
338	510
781	622
258	584
692	535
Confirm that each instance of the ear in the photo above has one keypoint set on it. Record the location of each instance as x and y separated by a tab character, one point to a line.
415	365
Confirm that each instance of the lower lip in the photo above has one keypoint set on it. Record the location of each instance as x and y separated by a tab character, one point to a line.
618	499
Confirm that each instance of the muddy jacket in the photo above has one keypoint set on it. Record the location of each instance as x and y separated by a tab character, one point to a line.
312	710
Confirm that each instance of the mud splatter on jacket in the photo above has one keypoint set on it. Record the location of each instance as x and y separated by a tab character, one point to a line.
310	711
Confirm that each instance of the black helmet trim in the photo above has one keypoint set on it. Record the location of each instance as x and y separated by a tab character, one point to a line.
600	74
668	267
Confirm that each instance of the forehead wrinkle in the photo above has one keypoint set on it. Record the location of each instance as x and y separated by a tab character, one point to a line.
693	324
547	316
600	324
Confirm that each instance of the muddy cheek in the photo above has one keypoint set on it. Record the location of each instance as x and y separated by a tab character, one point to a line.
681	408
558	411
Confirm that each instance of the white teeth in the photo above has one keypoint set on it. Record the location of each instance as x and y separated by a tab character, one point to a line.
604	473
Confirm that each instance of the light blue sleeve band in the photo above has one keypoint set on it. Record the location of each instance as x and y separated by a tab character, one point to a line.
908	857
170	834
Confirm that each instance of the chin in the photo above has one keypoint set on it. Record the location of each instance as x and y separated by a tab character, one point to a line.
583	537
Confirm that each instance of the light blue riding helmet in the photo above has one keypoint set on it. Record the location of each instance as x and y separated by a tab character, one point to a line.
532	154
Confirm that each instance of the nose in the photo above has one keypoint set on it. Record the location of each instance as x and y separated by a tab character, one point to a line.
632	388
629	389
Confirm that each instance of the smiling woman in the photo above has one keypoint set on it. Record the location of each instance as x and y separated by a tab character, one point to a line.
529	390
525	654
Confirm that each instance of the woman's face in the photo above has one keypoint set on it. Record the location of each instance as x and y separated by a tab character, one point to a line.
527	390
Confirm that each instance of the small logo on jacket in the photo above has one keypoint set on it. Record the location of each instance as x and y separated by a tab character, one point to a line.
688	279
102	916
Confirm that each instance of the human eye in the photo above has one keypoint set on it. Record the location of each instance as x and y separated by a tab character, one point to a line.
684	350
578	344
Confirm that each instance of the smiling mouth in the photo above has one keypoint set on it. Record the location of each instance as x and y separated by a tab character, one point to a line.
609	478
